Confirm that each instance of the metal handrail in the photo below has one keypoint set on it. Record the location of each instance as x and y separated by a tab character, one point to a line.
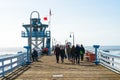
108	60
9	63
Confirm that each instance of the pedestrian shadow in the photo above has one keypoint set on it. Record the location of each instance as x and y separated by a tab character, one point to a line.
87	64
69	64
14	74
82	64
40	61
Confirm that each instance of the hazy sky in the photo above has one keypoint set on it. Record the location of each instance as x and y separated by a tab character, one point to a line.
92	21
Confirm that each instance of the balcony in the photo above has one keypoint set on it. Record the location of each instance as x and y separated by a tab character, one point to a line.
35	34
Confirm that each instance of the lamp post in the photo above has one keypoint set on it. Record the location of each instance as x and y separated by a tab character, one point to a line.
72	35
66	42
53	39
58	42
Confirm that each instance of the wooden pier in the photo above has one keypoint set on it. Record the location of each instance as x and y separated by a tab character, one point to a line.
47	69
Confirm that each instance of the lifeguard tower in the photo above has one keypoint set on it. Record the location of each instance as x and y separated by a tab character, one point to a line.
37	35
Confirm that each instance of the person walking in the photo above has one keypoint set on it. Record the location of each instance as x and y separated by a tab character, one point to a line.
62	53
73	55
57	53
68	52
77	54
82	52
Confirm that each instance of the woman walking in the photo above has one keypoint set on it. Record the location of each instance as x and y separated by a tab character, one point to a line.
68	52
73	54
82	52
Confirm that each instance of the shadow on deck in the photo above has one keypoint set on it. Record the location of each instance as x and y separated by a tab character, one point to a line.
13	75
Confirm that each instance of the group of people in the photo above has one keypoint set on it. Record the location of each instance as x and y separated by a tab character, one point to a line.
60	51
74	53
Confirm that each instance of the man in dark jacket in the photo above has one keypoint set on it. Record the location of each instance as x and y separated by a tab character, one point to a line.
77	54
62	53
57	53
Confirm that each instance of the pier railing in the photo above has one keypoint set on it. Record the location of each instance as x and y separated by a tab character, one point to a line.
10	62
108	60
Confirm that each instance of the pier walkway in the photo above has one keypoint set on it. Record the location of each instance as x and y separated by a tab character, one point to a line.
47	69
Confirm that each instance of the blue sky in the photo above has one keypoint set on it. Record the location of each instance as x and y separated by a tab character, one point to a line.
92	21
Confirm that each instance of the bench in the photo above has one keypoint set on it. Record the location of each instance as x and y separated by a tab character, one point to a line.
89	56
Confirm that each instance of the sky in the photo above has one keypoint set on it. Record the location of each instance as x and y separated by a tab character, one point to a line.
90	21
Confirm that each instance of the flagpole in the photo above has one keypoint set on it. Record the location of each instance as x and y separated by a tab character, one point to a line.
49	23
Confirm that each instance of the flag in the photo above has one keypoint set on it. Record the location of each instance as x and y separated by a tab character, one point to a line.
45	18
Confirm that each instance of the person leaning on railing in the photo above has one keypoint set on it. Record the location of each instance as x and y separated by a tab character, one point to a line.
35	55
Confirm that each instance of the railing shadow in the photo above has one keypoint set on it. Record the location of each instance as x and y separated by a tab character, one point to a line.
15	73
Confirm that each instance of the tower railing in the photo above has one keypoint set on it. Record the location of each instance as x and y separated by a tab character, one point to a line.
34	34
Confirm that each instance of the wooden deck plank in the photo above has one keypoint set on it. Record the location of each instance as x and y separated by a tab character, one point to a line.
47	67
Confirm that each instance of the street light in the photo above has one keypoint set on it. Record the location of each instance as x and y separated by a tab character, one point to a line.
72	35
66	42
53	39
58	42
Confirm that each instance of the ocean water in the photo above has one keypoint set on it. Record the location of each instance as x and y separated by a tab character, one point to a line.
109	49
11	50
15	50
